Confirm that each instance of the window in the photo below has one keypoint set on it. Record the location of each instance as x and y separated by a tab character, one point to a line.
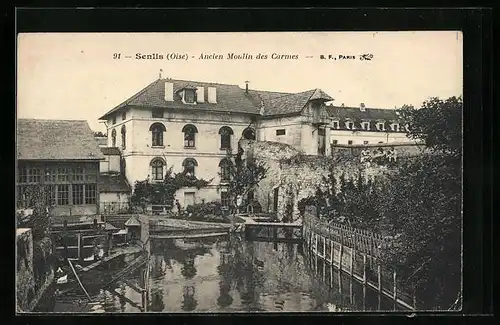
321	132
349	125
157	165
335	124
189	131
77	174
225	137
381	142
124	134
62	194
225	169
224	199
51	194
124	116
280	132
91	173
335	141
381	126
189	164
77	193
113	138
33	175
349	142
90	194
395	127
189	96
365	142
249	134
157	113
157	130
365	125
50	175
62	174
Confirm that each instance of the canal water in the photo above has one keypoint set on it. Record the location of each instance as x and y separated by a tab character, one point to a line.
230	274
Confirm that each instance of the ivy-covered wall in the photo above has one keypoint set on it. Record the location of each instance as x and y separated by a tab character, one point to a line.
298	176
25	280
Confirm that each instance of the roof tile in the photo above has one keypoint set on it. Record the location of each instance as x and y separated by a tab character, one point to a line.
56	140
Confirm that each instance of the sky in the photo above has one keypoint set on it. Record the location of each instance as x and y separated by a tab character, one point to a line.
74	75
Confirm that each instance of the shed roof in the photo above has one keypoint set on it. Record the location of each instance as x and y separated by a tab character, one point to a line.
56	140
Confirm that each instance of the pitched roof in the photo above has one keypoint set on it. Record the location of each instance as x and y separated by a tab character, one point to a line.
279	103
355	113
113	183
107	151
229	98
132	222
56	140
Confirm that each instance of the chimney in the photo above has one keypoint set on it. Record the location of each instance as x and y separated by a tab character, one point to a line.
362	107
160	74
342	105
169	91
200	94
246	86
212	95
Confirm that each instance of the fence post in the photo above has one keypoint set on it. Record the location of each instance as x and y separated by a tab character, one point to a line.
364	268
80	247
395	287
331	251
379	274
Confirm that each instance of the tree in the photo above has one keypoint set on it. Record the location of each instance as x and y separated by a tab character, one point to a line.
244	176
438	123
38	198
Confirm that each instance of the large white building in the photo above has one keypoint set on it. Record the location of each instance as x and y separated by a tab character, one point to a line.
190	125
362	125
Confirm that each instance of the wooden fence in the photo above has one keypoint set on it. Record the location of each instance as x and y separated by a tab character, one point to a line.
356	252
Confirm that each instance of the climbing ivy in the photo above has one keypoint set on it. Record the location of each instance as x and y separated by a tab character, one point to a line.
147	192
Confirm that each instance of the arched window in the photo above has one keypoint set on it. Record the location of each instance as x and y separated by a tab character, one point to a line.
189	131
157	166
225	169
113	138
249	134
124	136
225	137
157	130
189	164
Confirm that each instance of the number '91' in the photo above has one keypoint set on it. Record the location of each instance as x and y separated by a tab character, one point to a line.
117	56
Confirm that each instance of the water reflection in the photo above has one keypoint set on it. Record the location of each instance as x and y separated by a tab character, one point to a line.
230	274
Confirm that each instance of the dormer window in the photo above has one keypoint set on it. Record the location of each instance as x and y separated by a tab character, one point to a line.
395	127
335	124
381	126
365	125
189	96
349	125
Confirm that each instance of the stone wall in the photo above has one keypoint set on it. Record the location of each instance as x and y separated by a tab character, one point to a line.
298	176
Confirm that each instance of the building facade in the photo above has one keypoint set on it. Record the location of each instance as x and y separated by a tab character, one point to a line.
365	126
114	190
59	160
190	126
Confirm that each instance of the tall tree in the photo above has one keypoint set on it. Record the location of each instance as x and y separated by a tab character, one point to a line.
244	176
438	123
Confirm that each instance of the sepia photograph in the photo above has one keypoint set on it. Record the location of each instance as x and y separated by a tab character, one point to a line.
239	172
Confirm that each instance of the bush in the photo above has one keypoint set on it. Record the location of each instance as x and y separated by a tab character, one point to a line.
211	211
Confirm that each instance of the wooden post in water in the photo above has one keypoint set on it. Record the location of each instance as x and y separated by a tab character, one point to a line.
324	247
395	296
364	269
80	247
332	244
379	274
351	260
